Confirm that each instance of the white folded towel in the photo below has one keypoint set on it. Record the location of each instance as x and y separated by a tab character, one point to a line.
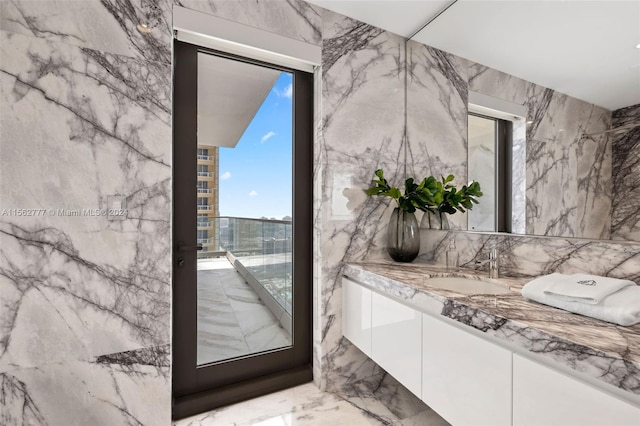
621	307
583	288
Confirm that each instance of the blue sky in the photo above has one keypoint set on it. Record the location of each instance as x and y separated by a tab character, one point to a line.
255	176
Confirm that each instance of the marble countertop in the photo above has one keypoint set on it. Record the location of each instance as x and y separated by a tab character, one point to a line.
598	349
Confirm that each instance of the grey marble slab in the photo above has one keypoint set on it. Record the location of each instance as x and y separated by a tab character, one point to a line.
306	405
295	19
598	349
360	130
104	25
625	222
119	388
521	255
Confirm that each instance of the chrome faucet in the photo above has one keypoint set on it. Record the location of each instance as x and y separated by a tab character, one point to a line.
493	263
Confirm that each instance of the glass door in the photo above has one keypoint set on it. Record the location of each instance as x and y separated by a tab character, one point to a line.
242	228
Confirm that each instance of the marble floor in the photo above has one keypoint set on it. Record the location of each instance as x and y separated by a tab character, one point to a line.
232	320
306	405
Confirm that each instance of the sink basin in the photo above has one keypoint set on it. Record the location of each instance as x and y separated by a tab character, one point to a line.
466	285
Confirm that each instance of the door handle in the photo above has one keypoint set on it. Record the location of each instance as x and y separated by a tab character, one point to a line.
182	247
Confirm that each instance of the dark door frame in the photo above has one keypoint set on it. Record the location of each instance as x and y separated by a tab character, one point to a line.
196	389
504	167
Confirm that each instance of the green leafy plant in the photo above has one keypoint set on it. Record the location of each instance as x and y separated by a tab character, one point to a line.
430	195
454	199
416	196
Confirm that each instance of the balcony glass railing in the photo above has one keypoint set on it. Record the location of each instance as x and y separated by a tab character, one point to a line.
264	247
204	174
204	157
204	191
203	207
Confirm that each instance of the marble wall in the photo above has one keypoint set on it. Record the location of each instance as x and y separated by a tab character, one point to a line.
360	130
521	255
625	222
86	114
85	301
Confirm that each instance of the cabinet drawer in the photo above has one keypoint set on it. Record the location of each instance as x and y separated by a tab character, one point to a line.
396	340
542	396
467	380
356	315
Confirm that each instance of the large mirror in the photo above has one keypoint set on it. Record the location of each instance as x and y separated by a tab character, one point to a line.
574	69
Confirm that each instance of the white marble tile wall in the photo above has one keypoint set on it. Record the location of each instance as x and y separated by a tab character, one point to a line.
86	301
437	105
568	176
361	130
625	222
290	18
521	255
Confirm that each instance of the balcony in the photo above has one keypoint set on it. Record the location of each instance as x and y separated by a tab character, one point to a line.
263	248
204	207
204	191
204	174
204	223
258	255
204	157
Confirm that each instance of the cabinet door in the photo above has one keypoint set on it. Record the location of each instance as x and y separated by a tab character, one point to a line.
356	315
396	340
542	396
465	379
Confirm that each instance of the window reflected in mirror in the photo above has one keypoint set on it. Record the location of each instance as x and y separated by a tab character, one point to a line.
482	168
490	162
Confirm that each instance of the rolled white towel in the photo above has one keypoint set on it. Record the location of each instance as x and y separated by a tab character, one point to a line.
583	288
621	307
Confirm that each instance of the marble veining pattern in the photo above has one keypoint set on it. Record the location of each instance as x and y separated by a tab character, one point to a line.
532	256
85	301
361	131
437	96
307	405
626	174
232	320
291	18
567	177
102	25
120	388
103	124
604	351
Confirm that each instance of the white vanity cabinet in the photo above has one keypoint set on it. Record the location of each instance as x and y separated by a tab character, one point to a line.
356	315
396	341
470	379
465	379
544	396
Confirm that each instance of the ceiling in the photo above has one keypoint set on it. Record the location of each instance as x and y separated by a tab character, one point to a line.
229	95
585	49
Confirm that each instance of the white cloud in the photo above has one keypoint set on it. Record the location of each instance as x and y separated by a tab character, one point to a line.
287	92
225	176
267	136
253	193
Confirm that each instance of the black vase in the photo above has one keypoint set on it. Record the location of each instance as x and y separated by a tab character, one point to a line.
403	243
